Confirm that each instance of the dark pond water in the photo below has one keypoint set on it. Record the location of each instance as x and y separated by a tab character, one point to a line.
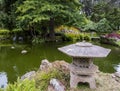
13	63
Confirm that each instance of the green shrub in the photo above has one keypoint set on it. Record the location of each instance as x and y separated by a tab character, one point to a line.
81	37
76	37
69	37
16	30
25	85
90	26
43	78
67	29
73	37
40	82
72	34
103	26
4	31
37	40
118	32
87	38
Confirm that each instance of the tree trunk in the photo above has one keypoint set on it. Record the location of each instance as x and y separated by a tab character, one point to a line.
51	29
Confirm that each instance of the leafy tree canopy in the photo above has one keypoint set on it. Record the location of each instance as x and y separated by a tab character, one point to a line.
105	10
103	26
41	11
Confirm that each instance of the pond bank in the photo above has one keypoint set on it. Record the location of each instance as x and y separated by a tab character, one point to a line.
18	64
104	81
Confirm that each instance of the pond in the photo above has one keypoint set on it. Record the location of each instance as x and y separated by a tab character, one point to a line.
13	63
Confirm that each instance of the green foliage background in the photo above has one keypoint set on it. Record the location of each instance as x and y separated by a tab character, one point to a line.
44	16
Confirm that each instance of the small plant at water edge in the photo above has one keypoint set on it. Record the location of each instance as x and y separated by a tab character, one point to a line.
43	78
37	40
22	85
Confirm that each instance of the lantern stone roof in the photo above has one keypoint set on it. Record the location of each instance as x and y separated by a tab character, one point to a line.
84	49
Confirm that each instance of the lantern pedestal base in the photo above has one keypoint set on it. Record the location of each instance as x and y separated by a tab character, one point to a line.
75	79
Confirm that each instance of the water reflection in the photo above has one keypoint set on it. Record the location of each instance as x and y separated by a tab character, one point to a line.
3	80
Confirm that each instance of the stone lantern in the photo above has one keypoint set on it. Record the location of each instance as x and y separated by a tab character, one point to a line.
82	68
